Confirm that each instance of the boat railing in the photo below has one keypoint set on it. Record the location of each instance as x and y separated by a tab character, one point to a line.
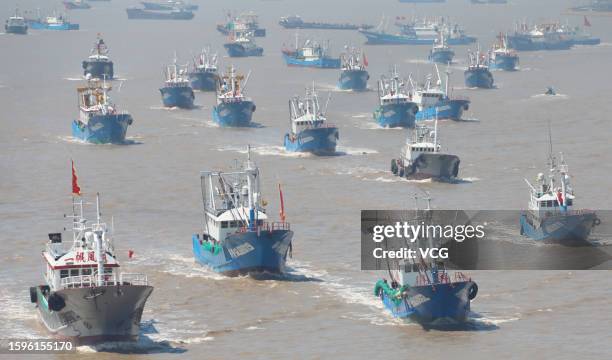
82	281
460	277
268	226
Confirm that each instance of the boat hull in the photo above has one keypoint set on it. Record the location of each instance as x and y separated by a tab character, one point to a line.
504	62
16	29
319	141
396	115
239	50
245	252
98	69
478	78
433	303
442	56
178	96
234	114
526	43
356	80
167	7
36	25
95	314
437	166
325	62
140	14
445	109
377	38
204	80
570	229
103	129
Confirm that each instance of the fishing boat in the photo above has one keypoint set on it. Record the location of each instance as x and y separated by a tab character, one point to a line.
434	101
547	36
204	75
422	158
422	289
441	53
168	5
99	120
477	74
353	74
296	22
76	5
551	216
245	22
174	14
177	91
16	24
55	22
396	108
310	54
594	7
550	91
501	57
579	35
418	32
241	44
310	131
98	64
86	297
237	238
233	108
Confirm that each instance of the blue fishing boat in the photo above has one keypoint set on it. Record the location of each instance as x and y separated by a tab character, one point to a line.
477	74
551	216
396	108
98	64
579	35
310	131
241	44
501	57
204	75
353	75
233	109
237	238
16	24
441	53
311	54
427	294
55	22
248	21
145	14
99	120
177	91
418	32
434	101
539	37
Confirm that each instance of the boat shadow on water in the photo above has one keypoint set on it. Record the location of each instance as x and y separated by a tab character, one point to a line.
475	322
290	275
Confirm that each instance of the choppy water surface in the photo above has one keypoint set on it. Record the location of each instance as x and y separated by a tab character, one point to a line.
325	305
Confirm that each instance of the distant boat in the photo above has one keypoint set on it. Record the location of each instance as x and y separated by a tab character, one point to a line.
98	65
552	216
539	37
441	53
296	22
501	57
241	44
175	14
245	22
353	74
418	32
177	91
76	5
396	108
477	74
99	120
310	131
168	5
595	6
204	76
55	22
237	236
310	54
233	108
16	24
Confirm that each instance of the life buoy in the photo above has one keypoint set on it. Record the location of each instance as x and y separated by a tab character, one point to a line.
56	302
596	222
33	295
473	291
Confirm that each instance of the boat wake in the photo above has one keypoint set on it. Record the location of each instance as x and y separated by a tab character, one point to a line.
265	150
16	312
370	125
552	97
130	140
345	150
176	265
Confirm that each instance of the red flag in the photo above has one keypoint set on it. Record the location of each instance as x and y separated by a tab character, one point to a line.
586	22
282	204
560	198
76	190
365	60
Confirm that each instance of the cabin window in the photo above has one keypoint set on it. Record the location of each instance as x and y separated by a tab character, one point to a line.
74	272
568	202
549	203
108	271
86	271
63	274
223	224
233	224
542	203
259	222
